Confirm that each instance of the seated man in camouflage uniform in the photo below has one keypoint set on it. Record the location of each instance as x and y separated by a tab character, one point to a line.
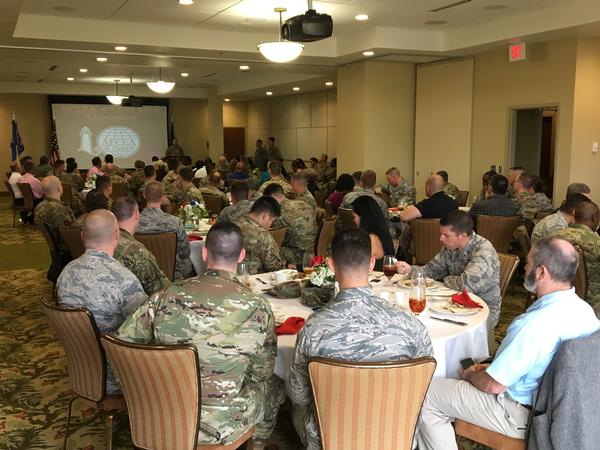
137	179
262	252
215	183
275	176
300	188
155	220
109	159
234	331
466	261
133	254
583	235
240	204
301	223
356	326
559	220
73	177
100	283
400	190
544	203
526	202
450	189
111	172
183	190
368	179
172	174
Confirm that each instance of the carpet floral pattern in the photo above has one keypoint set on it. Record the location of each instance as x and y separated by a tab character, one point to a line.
34	384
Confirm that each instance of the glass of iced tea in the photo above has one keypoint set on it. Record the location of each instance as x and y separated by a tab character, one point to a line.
242	273
389	267
417	297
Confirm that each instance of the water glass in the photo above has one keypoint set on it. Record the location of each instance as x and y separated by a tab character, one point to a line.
242	273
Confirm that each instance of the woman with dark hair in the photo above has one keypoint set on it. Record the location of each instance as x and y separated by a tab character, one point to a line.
368	217
343	185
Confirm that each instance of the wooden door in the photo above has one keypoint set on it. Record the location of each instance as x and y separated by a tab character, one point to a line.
234	142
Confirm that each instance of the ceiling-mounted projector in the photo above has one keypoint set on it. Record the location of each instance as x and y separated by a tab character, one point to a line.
133	102
308	27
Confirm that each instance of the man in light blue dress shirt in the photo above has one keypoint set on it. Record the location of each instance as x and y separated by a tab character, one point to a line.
500	395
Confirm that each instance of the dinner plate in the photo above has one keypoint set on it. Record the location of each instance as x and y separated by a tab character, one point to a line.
429	283
453	309
288	274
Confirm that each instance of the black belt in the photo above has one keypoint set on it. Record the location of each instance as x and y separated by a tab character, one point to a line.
526	406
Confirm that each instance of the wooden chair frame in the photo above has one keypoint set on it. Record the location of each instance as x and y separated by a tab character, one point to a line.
16	208
278	234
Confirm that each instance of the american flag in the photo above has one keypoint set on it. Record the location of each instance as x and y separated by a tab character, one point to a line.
54	148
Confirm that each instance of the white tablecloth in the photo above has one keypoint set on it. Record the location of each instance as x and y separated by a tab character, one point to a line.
197	246
451	343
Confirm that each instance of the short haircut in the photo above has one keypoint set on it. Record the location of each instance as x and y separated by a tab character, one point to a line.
351	249
98	228
538	184
70	159
526	180
298	164
344	183
558	256
443	174
520	168
186	174
239	190
572	201
252	184
214	177
108	158
273	189
266	204
275	167
154	192
71	166
123	208
96	161
154	158
587	213
299	177
102	182
58	162
458	221
314	159
139	164
311	174
224	242
14	166
28	166
44	159
487	176
25	158
578	188
357	175
186	160
392	171
271	138
368	179
149	171
499	184
95	199
172	164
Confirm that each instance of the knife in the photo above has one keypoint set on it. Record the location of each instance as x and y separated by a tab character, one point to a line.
455	322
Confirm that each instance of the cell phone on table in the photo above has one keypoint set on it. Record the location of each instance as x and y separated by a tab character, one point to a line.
466	363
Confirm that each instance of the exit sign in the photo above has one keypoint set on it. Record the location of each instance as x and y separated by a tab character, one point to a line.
517	52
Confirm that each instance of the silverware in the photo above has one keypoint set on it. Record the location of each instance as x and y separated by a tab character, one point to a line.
449	309
260	280
455	322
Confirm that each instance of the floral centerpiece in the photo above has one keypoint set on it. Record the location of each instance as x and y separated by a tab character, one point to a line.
90	182
318	288
191	213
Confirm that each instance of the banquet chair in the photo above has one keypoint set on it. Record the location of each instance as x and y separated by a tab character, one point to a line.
347	218
278	234
354	401
320	197
498	230
426	239
463	197
214	203
325	237
72	237
78	333
171	208
164	248
119	190
385	196
580	283
27	193
521	237
487	437
16	208
508	267
67	193
167	418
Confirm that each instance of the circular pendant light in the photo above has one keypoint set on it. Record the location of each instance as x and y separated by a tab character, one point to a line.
280	51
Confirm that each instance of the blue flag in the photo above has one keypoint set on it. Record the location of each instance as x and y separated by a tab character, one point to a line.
171	133
16	144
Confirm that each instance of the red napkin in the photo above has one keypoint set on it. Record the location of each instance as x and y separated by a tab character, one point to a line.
191	237
291	326
464	299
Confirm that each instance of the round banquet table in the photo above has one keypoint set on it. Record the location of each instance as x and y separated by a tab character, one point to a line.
196	246
451	342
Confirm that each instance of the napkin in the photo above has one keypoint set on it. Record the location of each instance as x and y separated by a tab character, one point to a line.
191	237
291	326
462	298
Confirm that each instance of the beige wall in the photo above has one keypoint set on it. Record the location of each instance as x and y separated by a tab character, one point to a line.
191	125
546	78
235	114
33	117
443	122
303	125
585	165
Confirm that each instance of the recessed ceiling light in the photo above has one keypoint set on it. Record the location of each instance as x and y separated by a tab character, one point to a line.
436	22
495	7
329	83
368	53
227	99
186	2
101	59
82	70
361	17
70	78
120	48
244	68
185	74
268	93
295	88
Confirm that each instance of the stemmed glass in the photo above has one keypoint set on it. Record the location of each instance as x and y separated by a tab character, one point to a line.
306	260
389	267
242	273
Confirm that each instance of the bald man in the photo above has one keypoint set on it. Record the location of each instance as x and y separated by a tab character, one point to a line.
435	206
583	234
52	213
100	283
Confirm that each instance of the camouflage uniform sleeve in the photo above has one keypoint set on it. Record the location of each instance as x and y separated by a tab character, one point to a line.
144	266
297	384
477	274
410	194
268	252
262	362
183	245
139	326
133	294
437	267
528	208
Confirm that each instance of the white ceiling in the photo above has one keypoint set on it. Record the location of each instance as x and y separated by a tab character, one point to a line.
211	38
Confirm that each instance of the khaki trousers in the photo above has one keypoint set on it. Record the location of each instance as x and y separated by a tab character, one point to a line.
448	399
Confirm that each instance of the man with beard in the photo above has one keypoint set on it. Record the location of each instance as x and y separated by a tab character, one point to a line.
499	396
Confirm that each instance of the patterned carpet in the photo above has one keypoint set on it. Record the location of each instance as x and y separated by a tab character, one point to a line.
34	386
